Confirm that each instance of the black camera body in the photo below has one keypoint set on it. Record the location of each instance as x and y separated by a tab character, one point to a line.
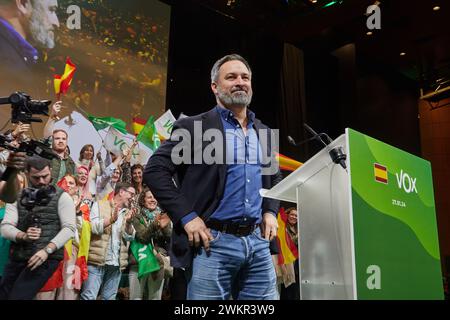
30	147
32	197
33	220
23	108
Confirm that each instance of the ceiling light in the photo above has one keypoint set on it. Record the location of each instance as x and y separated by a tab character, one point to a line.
436	8
403	54
369	33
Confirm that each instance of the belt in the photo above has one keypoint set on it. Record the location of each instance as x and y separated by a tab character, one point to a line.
235	228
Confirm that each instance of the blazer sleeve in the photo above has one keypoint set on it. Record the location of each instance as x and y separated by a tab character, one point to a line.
272	205
160	170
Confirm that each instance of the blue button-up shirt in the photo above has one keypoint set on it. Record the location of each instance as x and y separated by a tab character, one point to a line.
241	201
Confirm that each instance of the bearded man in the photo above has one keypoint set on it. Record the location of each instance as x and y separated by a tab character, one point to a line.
221	225
64	164
25	27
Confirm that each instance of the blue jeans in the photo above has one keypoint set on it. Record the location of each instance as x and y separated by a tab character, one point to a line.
238	267
106	278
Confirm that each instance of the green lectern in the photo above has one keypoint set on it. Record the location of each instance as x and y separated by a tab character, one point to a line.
367	232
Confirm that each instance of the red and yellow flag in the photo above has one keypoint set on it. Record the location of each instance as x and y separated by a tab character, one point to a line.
138	125
83	248
380	172
288	249
62	83
287	163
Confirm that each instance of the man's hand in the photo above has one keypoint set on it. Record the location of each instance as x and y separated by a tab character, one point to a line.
16	160
38	259
56	109
197	231
20	129
269	226
32	234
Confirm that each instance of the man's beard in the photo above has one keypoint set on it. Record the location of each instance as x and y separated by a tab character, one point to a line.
58	149
241	99
42	36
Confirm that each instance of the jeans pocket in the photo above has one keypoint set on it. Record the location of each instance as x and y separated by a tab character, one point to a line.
216	235
258	235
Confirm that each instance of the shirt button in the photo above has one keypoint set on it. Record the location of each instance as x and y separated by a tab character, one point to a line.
248	180
246	200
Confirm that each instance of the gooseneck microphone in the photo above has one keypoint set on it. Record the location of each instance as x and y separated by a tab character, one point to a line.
337	153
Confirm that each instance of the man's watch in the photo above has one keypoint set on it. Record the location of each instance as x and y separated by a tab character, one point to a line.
48	250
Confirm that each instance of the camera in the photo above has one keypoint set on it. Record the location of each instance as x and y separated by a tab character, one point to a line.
30	147
32	197
23	108
33	220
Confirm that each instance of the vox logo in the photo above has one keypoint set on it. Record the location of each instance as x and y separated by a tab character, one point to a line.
405	182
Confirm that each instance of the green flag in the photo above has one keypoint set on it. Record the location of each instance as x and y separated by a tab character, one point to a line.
147	261
100	123
149	136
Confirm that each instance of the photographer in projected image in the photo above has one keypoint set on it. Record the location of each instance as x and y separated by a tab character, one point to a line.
38	225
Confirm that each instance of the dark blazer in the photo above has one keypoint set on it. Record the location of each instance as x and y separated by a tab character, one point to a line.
198	187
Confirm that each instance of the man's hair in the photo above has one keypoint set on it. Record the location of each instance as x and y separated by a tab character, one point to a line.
221	61
37	163
60	130
121	186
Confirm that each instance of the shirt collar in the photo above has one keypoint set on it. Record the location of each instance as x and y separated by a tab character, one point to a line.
29	53
227	115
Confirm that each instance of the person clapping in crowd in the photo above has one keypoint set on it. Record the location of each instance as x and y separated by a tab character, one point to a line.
153	227
108	253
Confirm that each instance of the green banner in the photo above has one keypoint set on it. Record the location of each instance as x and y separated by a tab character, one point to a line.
147	262
394	221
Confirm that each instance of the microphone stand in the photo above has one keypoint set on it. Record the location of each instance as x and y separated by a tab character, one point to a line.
337	153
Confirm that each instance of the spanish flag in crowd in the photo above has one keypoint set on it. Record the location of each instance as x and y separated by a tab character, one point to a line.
288	249
83	248
62	82
138	125
287	163
80	272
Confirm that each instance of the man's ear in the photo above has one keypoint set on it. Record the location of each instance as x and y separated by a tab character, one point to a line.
214	87
25	7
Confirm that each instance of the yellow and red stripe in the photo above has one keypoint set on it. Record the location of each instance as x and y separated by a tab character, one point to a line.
138	125
287	163
62	83
381	174
288	249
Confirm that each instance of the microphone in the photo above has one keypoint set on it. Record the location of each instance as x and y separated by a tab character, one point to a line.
337	153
